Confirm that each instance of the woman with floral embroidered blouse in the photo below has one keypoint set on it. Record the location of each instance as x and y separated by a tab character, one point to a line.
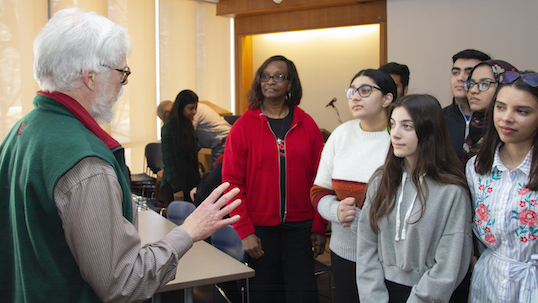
503	179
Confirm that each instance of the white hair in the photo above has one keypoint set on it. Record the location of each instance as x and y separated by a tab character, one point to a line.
72	41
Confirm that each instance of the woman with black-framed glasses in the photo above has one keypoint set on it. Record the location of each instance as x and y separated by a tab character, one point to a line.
481	87
272	153
351	155
503	179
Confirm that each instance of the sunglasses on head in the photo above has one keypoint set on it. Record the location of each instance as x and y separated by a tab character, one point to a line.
529	78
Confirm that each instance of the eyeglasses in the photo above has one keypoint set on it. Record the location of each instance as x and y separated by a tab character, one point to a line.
126	72
276	77
482	86
529	78
364	90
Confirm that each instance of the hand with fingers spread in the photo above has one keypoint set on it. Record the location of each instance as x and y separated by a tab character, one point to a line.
346	211
207	218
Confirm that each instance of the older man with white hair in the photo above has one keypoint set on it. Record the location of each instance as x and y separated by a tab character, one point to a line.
67	218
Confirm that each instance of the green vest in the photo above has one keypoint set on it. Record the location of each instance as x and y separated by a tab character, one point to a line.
36	264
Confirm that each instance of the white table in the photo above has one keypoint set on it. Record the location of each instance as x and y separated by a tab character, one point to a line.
203	264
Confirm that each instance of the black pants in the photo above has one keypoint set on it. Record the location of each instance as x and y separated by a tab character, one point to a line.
398	293
345	279
286	272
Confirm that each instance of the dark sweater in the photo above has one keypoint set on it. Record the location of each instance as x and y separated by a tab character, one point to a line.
455	122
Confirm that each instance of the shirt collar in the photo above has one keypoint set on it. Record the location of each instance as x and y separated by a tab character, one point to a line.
524	167
83	116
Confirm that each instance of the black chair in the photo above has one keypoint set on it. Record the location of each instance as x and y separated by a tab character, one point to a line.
154	157
144	184
231	118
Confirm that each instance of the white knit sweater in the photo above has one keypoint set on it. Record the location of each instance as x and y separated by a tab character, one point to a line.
350	154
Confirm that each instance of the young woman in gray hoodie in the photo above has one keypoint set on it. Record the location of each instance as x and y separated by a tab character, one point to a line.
414	232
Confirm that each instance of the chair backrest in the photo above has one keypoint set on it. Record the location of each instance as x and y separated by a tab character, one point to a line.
154	157
178	211
227	240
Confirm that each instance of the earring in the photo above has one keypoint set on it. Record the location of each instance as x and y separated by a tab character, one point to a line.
288	96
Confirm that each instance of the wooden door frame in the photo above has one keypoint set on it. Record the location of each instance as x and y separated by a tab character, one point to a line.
296	16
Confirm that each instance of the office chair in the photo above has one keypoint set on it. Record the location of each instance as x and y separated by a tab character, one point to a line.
178	211
154	157
227	240
144	184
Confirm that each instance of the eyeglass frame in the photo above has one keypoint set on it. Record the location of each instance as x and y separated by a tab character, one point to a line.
126	72
357	90
468	85
263	79
502	78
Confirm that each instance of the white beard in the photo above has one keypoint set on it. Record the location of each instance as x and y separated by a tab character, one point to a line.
102	109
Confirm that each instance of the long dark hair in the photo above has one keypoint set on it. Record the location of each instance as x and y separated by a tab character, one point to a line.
435	158
185	137
486	152
255	96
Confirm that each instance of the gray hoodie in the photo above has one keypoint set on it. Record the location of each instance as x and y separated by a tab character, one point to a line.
431	255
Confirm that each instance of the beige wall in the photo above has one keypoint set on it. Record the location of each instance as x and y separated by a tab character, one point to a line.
195	54
326	60
424	34
195	51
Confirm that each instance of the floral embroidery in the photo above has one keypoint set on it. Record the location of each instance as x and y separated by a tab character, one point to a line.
527	217
523	191
482	212
483	221
490	238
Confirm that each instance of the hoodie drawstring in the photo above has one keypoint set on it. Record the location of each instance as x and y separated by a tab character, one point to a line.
407	214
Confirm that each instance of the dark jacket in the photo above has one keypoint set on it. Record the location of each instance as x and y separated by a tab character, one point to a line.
455	122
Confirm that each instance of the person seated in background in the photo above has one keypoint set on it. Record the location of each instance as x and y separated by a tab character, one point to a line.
211	129
400	75
180	154
163	109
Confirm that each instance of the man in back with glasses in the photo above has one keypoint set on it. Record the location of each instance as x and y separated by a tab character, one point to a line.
69	227
458	114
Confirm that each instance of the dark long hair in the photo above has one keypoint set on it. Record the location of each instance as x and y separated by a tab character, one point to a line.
382	79
435	158
255	96
185	137
486	152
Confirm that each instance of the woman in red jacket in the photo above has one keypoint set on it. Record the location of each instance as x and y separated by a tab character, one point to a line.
272	153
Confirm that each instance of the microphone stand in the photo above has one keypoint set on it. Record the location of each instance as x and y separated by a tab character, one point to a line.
335	109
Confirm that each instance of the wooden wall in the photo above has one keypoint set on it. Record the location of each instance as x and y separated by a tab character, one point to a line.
260	17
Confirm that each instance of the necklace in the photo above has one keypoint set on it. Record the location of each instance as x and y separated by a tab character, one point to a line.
279	133
284	111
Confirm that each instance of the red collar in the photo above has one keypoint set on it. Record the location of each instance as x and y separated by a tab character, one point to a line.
82	114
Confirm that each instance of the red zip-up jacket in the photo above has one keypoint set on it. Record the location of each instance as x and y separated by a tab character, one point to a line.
252	162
